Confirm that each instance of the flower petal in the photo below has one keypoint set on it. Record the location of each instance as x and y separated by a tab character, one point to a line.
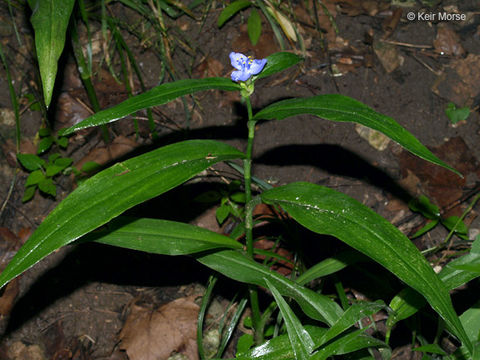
240	75
256	66
238	60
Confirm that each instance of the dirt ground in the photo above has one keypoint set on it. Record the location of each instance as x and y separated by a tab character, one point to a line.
74	304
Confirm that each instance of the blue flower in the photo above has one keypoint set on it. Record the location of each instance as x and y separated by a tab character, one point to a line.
246	66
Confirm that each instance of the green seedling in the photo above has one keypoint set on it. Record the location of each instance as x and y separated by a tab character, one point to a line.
456	114
47	139
42	173
424	206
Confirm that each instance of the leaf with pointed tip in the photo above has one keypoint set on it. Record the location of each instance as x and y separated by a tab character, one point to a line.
347	343
160	237
407	302
278	62
114	190
342	108
157	96
326	211
278	348
49	20
302	343
231	10
350	317
238	267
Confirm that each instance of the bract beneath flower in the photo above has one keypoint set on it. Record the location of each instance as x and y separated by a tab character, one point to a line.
246	66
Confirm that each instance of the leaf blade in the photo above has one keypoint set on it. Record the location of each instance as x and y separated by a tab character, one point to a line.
157	96
160	237
326	211
300	339
238	267
341	108
277	62
50	20
121	186
231	10
254	27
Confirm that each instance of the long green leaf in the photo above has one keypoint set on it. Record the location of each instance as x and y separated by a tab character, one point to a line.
114	190
350	317
231	10
342	108
49	20
302	343
330	266
278	348
278	62
329	212
347	343
407	302
254	27
238	267
157	96
160	237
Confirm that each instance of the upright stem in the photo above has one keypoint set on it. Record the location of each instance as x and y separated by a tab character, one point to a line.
247	167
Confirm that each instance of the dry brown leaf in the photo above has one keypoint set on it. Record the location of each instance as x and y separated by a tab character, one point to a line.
388	55
208	67
20	351
443	187
368	7
7	300
266	44
447	41
155	335
70	111
460	83
120	146
9	149
375	138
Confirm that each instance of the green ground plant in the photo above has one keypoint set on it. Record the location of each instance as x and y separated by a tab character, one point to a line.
310	324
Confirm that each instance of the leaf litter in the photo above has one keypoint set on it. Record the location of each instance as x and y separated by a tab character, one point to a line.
154	334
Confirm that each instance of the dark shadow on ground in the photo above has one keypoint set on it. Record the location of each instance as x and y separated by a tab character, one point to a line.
335	160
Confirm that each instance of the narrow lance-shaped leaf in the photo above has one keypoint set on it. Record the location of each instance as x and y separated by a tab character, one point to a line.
49	20
408	301
160	237
254	27
350	317
329	212
278	62
300	339
278	348
238	267
157	96
342	108
231	10
114	190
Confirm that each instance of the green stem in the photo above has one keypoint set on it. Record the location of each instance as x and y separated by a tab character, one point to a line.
247	167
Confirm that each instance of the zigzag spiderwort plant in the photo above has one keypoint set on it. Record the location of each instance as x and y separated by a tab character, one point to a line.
319	209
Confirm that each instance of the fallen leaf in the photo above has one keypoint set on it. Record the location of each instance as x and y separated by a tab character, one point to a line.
19	351
368	7
267	44
375	138
460	82
442	187
155	334
120	146
208	67
447	41
70	111
388	55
